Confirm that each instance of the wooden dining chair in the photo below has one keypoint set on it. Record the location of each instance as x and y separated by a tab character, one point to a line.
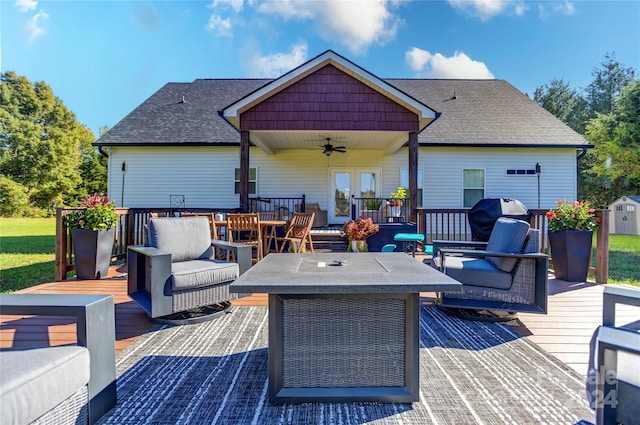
270	233
299	233
245	228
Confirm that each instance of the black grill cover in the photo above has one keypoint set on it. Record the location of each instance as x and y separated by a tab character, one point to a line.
483	215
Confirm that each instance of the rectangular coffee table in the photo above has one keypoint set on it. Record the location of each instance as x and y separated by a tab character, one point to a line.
343	326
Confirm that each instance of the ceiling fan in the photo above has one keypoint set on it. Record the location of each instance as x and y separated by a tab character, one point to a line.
329	148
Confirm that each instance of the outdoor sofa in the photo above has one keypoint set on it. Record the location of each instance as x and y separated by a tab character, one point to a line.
63	384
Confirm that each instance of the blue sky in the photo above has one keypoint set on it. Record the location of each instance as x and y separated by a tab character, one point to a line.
103	58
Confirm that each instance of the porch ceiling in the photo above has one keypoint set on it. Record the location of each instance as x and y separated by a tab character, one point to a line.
271	142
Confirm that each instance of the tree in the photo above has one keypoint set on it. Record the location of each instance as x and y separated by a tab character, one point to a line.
93	170
613	169
566	104
608	82
41	145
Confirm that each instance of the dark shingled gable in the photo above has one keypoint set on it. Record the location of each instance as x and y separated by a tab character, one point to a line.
484	113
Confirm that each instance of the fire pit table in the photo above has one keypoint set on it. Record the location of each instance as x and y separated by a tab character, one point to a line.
343	326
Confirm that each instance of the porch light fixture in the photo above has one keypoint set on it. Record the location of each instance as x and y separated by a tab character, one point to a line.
538	170
125	167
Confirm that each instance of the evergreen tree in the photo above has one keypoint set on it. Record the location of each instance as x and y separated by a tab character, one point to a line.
564	103
608	83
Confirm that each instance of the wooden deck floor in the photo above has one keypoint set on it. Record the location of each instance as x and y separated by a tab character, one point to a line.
575	310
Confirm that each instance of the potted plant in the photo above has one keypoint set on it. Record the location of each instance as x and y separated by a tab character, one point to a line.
571	227
92	235
357	231
396	201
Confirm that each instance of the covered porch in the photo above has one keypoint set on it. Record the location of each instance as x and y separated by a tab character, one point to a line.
330	105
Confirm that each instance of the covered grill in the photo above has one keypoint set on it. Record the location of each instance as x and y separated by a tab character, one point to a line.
485	212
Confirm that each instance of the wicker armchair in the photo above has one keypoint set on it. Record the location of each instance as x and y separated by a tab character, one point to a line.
507	273
176	278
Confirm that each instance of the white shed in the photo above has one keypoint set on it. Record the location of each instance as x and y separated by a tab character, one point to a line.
626	216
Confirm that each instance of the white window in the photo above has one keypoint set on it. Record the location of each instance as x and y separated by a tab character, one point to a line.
253	179
473	186
404	182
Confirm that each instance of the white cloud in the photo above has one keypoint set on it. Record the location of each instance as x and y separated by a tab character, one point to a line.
235	5
34	25
219	26
355	24
487	9
439	66
555	8
417	58
274	65
26	5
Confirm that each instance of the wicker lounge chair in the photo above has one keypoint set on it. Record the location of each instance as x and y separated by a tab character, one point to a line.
507	273
176	277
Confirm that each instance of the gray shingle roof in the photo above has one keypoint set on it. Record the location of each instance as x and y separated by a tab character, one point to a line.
484	113
163	119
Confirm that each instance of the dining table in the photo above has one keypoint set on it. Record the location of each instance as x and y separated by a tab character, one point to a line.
265	230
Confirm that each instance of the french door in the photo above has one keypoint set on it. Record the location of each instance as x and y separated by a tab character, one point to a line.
345	182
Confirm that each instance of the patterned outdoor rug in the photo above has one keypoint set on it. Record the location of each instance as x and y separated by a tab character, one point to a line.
216	373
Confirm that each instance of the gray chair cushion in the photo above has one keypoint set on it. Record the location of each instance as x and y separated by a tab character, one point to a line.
35	381
508	236
200	273
477	272
186	238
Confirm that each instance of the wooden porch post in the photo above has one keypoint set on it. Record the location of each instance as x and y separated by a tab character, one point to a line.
244	171
413	175
60	270
602	247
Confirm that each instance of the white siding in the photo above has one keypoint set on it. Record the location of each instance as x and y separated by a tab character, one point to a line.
443	175
205	175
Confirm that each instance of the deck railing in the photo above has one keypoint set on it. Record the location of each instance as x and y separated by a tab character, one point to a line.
379	210
451	224
284	207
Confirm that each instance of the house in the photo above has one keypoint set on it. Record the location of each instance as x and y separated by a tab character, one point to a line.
626	216
218	142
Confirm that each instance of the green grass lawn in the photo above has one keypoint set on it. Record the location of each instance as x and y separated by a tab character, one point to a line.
624	259
27	247
27	254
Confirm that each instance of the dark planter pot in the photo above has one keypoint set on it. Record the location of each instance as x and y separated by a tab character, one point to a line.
571	252
92	252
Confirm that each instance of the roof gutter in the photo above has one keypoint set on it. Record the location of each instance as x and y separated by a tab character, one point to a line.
103	152
581	154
